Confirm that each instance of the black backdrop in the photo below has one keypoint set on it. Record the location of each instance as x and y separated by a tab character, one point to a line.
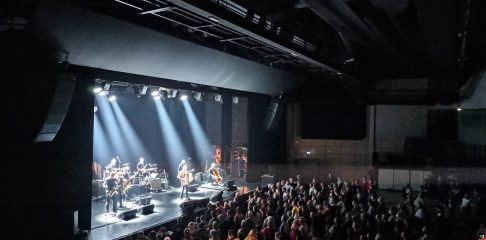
333	121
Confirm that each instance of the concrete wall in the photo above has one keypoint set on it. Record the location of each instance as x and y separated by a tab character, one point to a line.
394	124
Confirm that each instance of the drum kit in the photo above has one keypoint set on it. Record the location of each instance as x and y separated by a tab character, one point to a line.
152	177
158	180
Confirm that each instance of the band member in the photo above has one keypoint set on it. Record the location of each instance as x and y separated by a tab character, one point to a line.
141	166
184	176
123	183
213	173
183	162
126	173
217	157
113	164
110	184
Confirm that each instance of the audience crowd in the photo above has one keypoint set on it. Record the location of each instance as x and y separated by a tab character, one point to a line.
336	210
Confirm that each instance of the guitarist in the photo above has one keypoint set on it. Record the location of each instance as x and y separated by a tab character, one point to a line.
183	175
141	165
123	182
213	173
111	192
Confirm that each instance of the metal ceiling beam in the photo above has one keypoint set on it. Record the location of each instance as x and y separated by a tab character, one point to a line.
157	10
192	7
342	18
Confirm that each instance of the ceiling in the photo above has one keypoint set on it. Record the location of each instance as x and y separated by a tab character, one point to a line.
368	51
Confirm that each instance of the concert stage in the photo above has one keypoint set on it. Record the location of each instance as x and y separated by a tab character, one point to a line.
166	208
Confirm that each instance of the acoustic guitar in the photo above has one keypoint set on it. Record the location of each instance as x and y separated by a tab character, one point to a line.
186	177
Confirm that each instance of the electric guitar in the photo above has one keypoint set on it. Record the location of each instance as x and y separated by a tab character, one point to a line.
116	189
113	192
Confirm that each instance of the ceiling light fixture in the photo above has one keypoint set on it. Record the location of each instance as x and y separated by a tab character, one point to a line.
198	96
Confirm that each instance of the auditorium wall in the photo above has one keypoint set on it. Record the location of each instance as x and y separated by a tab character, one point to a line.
353	158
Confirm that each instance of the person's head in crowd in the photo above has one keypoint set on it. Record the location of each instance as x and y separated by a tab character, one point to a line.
213	235
82	235
231	234
187	233
140	235
192	227
200	226
152	235
252	235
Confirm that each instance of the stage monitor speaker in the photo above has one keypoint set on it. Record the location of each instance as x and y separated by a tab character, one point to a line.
136	189
127	215
58	109
197	203
231	185
148	209
193	187
189	211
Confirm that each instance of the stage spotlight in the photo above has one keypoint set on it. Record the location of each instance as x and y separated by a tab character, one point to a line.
163	94
97	89
235	99
198	96
154	91
112	98
157	97
103	93
120	87
95	108
107	86
171	93
98	86
144	90
218	98
139	90
183	97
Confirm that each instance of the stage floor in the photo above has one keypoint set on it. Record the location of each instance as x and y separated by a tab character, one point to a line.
108	226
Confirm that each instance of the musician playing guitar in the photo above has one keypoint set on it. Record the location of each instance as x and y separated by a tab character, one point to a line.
123	182
110	184
214	174
185	178
141	165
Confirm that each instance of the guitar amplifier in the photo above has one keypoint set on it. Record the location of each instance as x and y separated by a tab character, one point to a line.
165	185
136	189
